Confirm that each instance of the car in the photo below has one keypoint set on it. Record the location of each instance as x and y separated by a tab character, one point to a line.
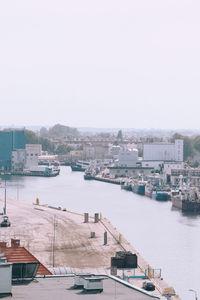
5	222
148	286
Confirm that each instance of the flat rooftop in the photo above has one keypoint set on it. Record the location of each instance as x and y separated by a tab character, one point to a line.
63	288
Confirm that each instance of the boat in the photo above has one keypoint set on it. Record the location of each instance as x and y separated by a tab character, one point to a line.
156	192
126	185
88	175
188	200
80	166
160	195
138	186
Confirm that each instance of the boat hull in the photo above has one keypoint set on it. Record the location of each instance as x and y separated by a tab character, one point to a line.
176	202
160	196
190	206
139	189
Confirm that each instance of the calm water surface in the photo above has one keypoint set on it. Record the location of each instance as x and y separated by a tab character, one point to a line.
166	238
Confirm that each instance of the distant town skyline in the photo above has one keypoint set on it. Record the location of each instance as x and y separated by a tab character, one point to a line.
107	64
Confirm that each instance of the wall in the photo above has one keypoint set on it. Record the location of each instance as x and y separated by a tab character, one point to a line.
165	152
32	153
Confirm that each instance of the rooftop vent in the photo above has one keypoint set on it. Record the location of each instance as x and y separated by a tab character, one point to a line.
93	284
15	243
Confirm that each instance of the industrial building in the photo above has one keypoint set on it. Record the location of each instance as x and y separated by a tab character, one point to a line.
164	151
10	141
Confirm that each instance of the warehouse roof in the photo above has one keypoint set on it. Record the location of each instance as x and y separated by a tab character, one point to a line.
49	288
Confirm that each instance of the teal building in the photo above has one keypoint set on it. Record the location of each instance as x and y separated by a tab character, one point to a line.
9	141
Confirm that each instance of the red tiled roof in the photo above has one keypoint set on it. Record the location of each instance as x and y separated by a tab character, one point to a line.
22	255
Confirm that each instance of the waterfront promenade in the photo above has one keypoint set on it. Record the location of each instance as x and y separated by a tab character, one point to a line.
60	238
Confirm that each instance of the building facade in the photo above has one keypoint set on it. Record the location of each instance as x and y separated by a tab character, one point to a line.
10	141
164	151
128	158
32	153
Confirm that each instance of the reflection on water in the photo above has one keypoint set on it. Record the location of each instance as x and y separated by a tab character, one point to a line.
165	237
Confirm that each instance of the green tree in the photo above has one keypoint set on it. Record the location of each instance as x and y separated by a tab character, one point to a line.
119	135
32	138
63	149
196	143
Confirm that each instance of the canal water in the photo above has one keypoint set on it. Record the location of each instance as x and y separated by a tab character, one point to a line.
166	238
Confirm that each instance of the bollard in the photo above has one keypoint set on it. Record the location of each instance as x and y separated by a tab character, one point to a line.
120	238
92	234
37	201
86	217
105	238
149	272
100	216
96	218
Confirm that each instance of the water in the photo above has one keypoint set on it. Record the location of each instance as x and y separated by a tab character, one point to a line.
166	238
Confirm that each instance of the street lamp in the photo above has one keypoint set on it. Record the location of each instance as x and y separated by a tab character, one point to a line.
195	293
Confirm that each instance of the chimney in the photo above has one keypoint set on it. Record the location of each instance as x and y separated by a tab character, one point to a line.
2	248
15	243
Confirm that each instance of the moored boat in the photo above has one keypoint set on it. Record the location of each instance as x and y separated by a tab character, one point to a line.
138	187
159	195
126	185
187	200
80	166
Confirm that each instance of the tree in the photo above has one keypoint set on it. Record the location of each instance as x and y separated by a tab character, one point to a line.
60	131
63	149
119	135
32	138
197	143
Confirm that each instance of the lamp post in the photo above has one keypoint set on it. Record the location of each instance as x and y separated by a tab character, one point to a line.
195	293
5	200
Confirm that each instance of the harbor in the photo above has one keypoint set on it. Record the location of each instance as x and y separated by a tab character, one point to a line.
130	213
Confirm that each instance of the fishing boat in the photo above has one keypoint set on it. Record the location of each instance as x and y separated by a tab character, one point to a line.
156	192
126	185
138	186
188	200
80	166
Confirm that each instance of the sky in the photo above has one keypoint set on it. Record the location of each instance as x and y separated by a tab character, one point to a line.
106	63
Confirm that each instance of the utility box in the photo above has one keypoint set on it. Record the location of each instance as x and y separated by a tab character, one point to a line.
96	218
79	279
93	284
6	278
86	217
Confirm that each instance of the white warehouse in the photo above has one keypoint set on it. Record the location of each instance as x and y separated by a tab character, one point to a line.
32	153
128	158
164	151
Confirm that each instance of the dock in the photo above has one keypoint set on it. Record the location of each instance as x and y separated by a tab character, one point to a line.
106	179
63	241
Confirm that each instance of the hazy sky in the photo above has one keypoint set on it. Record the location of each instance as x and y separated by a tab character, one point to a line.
100	63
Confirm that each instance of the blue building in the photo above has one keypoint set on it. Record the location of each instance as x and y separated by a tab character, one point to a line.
9	141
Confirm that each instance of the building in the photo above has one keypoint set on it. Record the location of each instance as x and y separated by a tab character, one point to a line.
21	258
88	151
18	159
62	287
128	158
133	172
32	153
164	151
189	176
10	141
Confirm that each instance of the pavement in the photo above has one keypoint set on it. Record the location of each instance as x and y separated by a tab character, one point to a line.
58	238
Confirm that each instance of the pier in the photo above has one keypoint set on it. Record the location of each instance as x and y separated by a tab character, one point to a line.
65	240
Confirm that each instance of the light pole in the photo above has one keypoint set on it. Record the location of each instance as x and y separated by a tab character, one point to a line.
5	200
195	293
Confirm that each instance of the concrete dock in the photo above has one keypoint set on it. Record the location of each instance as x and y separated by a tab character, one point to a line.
59	238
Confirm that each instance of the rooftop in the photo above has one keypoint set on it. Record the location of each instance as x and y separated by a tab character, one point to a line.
62	287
